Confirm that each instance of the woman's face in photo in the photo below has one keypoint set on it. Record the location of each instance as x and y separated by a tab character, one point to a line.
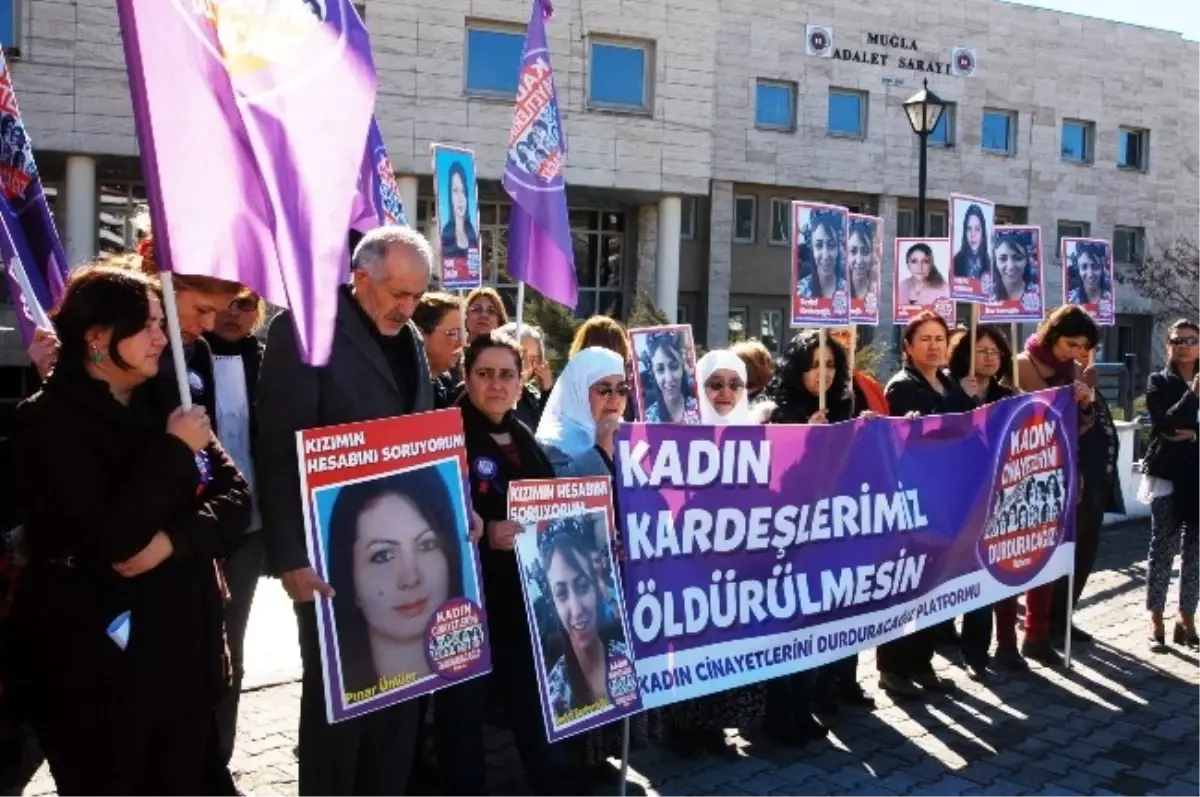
928	347
445	343
458	196
607	398
482	316
668	372
1090	272
974	231
724	389
862	258
401	570
494	382
1011	262
812	377
825	247
575	600
919	265
1068	349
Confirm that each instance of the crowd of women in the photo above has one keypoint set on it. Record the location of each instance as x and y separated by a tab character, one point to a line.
134	513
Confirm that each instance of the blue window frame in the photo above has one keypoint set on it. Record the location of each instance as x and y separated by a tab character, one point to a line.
1131	148
617	76
9	36
1077	141
997	133
775	105
847	113
493	60
941	134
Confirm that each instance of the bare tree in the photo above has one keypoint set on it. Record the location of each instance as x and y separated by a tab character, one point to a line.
1171	280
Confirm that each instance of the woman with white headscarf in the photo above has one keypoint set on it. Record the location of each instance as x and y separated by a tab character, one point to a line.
577	432
696	727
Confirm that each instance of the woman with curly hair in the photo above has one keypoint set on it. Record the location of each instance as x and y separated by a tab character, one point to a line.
1015	268
1090	281
821	256
668	380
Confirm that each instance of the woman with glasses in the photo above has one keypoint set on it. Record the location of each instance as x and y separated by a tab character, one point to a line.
993	363
440	319
536	378
1172	471
485	312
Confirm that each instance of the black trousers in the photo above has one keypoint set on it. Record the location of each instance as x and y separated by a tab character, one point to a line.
976	637
1089	522
368	755
908	656
242	571
460	711
789	697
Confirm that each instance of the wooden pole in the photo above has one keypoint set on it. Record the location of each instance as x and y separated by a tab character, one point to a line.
821	370
851	353
1016	378
176	338
974	329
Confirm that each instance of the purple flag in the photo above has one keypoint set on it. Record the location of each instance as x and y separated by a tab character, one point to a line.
34	261
539	235
378	201
251	118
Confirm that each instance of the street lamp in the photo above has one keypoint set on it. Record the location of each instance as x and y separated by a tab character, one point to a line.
924	110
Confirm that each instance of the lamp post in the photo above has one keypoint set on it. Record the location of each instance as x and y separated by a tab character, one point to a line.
924	110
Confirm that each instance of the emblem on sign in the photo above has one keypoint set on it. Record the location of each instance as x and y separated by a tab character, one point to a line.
818	40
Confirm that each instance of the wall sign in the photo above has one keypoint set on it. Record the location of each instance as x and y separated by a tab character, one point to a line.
890	50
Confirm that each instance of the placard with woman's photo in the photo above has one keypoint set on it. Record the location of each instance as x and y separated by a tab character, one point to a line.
457	216
971	223
386	523
585	667
664	373
1018	279
865	259
820	295
1088	277
918	283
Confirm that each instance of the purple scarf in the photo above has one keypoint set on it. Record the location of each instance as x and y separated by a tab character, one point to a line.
1063	372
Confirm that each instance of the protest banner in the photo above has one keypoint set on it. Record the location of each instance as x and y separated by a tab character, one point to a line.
865	249
753	552
1018	289
457	218
378	201
971	223
819	293
573	601
919	283
1088	278
386	521
664	374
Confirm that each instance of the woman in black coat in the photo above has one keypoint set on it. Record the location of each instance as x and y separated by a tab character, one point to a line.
118	653
922	387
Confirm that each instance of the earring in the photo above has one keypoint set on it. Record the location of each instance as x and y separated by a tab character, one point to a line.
97	357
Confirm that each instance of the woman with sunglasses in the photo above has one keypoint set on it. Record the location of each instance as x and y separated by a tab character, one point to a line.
696	727
1172	470
577	431
485	312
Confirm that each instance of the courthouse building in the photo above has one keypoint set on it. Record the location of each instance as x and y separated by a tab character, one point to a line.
691	125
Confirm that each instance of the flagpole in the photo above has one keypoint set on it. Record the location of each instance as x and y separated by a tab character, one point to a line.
172	314
520	308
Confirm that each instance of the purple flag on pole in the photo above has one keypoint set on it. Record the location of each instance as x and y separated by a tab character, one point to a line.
539	235
251	119
378	201
34	262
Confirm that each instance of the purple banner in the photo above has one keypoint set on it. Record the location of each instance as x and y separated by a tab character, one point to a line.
757	551
378	202
34	262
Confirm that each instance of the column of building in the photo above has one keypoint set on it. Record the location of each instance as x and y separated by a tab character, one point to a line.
720	263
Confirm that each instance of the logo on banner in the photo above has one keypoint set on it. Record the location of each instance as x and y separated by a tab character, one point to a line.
1031	496
254	34
962	61
389	190
535	142
485	468
818	40
17	168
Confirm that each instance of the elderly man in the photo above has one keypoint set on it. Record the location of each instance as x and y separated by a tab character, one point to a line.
377	369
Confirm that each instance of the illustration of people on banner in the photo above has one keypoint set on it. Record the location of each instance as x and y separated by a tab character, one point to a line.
971	224
1088	277
387	528
665	374
918	284
586	672
457	217
865	256
1018	292
819	293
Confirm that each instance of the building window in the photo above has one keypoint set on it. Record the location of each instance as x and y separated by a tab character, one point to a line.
682	314
1129	245
1077	141
935	225
847	113
493	59
1132	148
745	219
781	222
770	329
775	105
943	132
687	219
120	204
737	324
10	28
619	75
1070	229
999	131
906	223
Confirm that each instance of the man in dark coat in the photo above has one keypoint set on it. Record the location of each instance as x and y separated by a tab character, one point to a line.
377	369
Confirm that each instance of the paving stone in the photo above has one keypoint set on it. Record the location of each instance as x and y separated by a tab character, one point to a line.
1104	767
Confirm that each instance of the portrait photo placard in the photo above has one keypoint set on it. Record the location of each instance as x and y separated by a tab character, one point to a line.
864	266
919	281
386	520
664	374
1018	276
457	203
971	223
1088	278
820	296
573	601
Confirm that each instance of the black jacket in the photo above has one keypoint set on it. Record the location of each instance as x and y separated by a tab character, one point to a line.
908	391
1173	407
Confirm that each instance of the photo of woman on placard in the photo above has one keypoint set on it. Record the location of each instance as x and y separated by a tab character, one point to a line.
1016	272
972	260
1090	272
667	380
459	237
822	268
395	553
864	259
919	283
